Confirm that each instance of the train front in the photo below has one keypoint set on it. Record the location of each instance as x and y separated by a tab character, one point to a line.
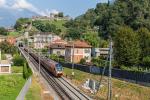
59	70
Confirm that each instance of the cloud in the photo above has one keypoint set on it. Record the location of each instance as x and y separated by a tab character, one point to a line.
2	3
21	5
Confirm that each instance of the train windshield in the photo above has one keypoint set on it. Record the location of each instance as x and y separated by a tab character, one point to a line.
59	67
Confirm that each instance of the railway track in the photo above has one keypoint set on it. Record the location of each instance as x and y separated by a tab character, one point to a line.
63	88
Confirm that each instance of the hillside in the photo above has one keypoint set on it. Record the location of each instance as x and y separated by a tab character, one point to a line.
58	23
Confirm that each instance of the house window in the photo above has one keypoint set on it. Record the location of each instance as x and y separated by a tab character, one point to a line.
58	53
86	57
87	50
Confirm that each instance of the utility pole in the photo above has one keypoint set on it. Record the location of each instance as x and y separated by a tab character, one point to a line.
73	60
39	58
28	44
109	96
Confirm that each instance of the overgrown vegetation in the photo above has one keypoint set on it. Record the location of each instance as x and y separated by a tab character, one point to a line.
8	48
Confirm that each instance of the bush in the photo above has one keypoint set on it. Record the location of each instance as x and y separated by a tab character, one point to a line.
18	60
99	62
134	68
57	58
53	57
146	61
26	71
82	61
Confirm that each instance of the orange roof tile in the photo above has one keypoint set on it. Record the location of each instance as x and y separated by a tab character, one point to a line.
78	44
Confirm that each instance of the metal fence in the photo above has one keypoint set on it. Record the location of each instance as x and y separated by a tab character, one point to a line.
142	78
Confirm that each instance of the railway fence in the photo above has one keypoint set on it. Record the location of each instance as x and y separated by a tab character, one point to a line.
141	78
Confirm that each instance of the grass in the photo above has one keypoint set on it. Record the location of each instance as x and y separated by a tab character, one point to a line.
34	93
121	90
10	86
17	69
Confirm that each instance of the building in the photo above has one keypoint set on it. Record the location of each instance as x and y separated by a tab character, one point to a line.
96	52
10	29
42	40
58	47
2	38
77	50
5	67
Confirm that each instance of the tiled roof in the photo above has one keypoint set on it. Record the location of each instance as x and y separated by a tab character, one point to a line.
60	41
57	46
78	44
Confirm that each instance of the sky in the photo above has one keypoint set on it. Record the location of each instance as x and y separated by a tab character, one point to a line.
43	7
72	8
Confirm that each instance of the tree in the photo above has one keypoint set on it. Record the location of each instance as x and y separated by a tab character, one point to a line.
60	14
26	71
45	27
92	38
126	47
73	33
22	23
144	39
7	47
18	60
3	31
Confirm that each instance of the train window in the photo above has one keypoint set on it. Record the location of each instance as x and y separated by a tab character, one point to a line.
59	67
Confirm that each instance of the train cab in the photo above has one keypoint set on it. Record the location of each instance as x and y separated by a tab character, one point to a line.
59	69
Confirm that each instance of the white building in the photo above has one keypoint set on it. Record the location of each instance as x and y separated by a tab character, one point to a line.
96	52
42	40
5	67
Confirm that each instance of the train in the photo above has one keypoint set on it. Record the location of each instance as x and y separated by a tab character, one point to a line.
51	66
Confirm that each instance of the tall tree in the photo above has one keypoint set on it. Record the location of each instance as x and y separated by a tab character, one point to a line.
126	47
92	39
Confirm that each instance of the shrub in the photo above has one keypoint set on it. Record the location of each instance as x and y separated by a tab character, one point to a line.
82	61
26	71
18	60
99	62
146	61
53	57
57	58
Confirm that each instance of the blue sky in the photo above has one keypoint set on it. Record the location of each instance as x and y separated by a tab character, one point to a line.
70	7
43	7
11	10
